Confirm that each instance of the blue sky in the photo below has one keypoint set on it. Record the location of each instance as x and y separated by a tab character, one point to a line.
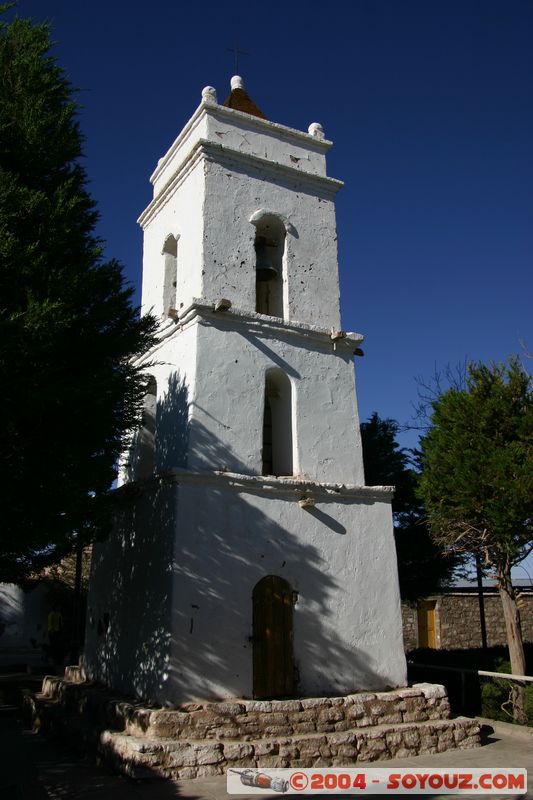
429	104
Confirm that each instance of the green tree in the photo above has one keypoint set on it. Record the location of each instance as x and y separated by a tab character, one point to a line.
477	478
68	330
422	565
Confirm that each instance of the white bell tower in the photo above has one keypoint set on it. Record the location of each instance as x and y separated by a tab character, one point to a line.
247	549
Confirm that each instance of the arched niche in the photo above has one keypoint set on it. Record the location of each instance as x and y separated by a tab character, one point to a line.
269	244
170	274
277	450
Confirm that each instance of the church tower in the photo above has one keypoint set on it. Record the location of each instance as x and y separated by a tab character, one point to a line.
248	557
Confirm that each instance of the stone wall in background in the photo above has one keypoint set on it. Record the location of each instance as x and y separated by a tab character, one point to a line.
458	621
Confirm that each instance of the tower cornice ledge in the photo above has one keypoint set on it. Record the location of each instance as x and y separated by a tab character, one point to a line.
295	487
228	156
203	311
232	115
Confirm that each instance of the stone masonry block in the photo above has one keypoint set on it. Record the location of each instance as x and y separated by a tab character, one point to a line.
225	709
338	701
266	748
344	725
262	706
356	711
207	771
304	727
315	702
393	718
361	697
275	730
417	703
276	718
411	738
237	751
304	762
209	754
415	716
311	744
379	709
431	690
469	741
224	732
289	751
459	734
187	773
308	715
328	715
284	706
273	761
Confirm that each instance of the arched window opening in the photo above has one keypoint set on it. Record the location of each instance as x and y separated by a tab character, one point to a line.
277	451
269	248
146	440
273	659
170	278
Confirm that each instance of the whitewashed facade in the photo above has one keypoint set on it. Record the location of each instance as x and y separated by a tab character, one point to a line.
249	462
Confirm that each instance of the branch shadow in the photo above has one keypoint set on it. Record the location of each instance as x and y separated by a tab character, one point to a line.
170	606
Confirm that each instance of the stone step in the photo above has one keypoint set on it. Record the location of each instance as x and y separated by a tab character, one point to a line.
179	759
206	738
247	720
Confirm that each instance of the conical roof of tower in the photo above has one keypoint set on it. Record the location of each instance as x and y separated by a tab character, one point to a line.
240	100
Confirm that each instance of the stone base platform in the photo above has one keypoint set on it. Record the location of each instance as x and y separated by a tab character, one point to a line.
207	738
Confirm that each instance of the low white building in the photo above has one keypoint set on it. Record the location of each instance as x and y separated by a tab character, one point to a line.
248	556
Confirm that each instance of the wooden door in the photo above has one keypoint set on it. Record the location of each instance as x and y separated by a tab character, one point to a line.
427	629
272	638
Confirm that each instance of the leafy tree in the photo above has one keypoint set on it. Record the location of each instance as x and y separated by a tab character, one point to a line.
67	328
477	477
422	565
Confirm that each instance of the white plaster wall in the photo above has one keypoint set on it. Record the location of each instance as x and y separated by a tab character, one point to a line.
181	214
177	577
127	640
340	558
254	136
227	415
177	374
245	133
169	164
174	368
23	618
232	197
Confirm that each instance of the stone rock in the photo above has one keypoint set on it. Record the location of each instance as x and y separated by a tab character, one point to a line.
266	748
304	727
225	709
328	715
237	751
286	705
190	707
415	716
431	690
315	702
262	706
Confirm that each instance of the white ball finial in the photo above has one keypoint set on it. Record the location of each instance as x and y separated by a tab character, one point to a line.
316	130
209	94
237	82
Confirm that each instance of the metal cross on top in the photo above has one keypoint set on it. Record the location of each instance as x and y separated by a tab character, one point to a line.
237	52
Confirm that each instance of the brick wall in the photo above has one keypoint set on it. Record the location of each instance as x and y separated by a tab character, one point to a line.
458	623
